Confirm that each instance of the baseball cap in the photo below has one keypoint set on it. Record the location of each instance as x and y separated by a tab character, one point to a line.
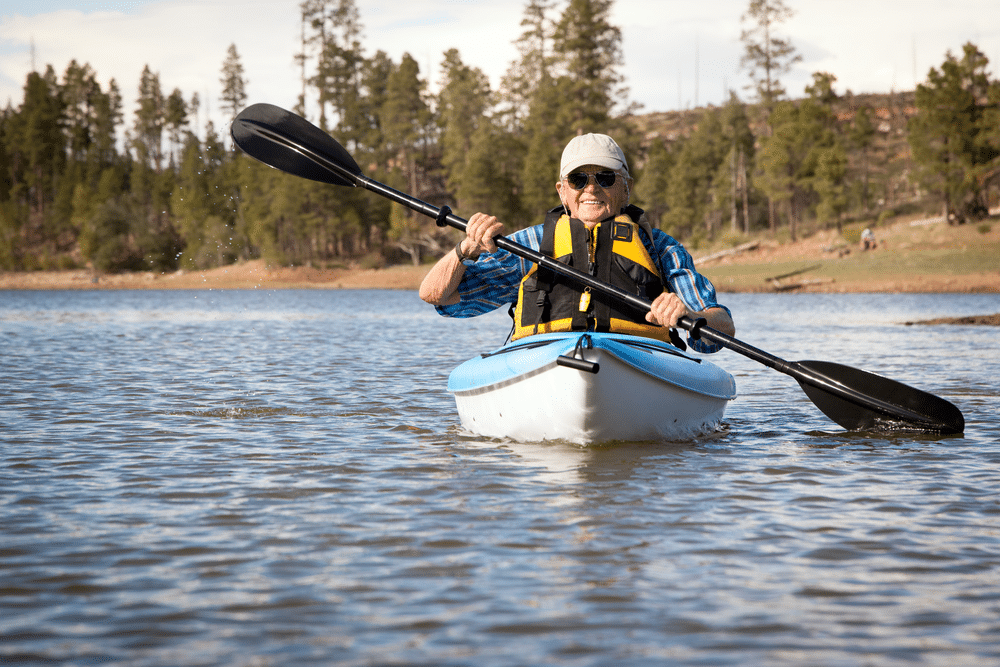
596	149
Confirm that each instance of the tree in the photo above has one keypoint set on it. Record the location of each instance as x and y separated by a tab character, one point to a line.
405	116
175	119
778	161
336	33
579	92
149	121
463	106
732	190
862	135
79	95
369	134
690	190
588	50
651	188
767	56
107	118
950	135
234	83
37	143
529	114
825	165
526	75
546	136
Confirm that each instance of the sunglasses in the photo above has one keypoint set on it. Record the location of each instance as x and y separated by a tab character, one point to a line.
578	180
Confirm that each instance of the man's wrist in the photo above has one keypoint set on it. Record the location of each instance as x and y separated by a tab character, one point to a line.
462	256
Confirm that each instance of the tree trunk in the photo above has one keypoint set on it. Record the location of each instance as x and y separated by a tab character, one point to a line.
746	194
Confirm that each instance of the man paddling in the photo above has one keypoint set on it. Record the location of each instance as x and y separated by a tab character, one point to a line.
595	230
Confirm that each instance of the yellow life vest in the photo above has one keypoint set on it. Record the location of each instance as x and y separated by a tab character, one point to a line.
614	253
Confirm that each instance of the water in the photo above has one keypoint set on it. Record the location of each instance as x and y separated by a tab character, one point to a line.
278	478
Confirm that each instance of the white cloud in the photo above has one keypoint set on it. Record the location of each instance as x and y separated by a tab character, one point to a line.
677	52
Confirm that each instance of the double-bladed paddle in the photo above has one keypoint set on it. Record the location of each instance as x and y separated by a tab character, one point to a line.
855	399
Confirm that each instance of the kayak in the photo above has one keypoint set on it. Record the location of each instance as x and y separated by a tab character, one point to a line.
590	388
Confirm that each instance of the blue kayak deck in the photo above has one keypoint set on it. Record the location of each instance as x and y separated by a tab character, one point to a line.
649	356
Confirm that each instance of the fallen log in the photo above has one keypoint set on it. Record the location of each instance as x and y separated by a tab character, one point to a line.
744	247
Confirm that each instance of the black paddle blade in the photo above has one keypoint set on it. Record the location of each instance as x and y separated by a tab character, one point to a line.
292	144
898	408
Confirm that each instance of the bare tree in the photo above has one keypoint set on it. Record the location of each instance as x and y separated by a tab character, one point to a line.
766	55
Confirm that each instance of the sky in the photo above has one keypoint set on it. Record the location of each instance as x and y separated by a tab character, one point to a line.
677	53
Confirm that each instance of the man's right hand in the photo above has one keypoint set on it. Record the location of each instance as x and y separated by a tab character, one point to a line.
479	233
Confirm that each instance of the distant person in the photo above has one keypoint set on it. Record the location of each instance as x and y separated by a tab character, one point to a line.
594	229
868	240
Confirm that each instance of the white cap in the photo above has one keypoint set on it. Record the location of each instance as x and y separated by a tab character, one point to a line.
596	149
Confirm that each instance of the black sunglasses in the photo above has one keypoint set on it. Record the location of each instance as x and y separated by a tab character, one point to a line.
578	180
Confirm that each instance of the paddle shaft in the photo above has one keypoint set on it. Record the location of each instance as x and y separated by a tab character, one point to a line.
698	329
303	147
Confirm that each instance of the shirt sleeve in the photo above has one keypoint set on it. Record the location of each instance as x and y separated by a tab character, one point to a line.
695	290
493	279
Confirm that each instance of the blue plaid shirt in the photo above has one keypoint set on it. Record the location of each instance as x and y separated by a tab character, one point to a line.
493	279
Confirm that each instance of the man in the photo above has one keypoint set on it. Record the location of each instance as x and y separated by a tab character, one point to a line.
596	219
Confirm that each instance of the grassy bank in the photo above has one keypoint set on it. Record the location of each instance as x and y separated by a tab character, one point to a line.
911	256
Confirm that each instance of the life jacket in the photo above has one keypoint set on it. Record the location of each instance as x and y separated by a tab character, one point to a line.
614	253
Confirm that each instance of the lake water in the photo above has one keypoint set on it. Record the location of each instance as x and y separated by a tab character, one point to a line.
279	478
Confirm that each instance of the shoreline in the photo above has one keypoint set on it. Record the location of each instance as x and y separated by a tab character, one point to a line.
257	275
913	256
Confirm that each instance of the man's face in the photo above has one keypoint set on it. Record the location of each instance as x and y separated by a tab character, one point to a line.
594	202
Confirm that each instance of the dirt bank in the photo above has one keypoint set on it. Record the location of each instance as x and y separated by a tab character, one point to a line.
248	275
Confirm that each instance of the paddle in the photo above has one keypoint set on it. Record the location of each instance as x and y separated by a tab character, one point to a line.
854	399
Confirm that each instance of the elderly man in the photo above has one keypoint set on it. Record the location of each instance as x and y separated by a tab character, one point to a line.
595	230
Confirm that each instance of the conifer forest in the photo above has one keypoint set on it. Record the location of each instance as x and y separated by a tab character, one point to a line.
80	186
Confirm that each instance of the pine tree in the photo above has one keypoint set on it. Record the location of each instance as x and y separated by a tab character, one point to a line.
463	107
731	183
777	160
589	54
690	189
651	188
234	83
766	55
862	135
405	116
37	152
825	165
951	136
526	75
149	122
547	135
79	95
369	134
175	119
107	119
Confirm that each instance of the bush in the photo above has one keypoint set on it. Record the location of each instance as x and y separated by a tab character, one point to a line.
852	234
730	239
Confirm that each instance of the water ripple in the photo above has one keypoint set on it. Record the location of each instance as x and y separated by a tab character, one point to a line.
220	478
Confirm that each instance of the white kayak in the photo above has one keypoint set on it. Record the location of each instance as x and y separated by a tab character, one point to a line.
590	388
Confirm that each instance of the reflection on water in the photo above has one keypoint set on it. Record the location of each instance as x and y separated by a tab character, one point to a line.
280	478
